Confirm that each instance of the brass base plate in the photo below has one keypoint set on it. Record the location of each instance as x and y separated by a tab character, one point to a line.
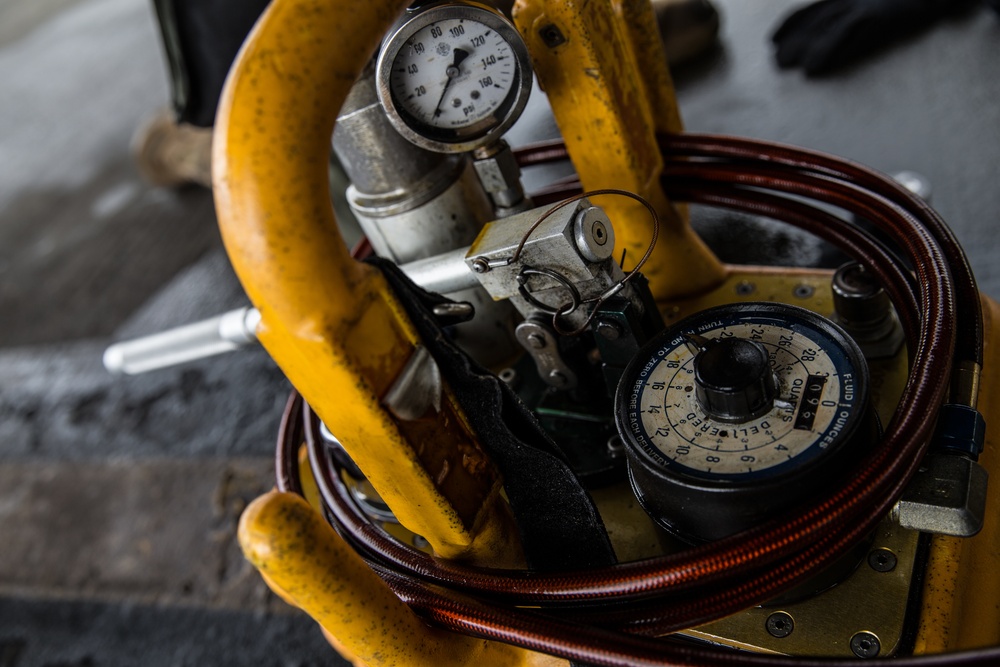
867	600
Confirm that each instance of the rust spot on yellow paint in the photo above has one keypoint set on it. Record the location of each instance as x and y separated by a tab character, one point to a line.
332	324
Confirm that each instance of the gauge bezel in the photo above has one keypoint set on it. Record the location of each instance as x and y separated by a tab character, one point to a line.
699	506
480	133
776	312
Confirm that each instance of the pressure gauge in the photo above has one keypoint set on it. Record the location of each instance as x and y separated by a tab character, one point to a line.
453	77
736	413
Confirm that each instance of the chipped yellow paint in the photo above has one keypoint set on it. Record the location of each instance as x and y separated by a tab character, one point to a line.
960	608
332	324
610	91
646	50
305	562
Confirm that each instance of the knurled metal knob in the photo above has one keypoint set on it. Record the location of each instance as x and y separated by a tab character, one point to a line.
733	380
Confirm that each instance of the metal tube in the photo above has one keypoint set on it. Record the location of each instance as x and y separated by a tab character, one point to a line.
445	273
222	333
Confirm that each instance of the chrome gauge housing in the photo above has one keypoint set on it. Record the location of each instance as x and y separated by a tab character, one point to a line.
453	77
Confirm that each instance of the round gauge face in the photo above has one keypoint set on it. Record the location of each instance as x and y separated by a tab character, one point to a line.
454	77
816	396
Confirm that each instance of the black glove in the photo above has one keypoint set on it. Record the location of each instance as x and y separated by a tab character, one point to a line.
831	33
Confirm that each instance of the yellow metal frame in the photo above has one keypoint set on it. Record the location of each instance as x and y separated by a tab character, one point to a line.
338	333
586	56
304	561
333	324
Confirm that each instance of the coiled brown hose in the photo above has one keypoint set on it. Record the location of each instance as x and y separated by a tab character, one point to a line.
970	342
584	611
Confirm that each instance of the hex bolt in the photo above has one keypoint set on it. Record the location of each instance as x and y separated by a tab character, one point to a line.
779	625
599	232
609	329
865	645
536	340
858	299
745	288
882	560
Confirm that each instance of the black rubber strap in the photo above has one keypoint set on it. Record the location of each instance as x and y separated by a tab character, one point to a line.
559	524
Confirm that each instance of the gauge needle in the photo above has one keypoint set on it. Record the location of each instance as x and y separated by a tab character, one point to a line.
453	73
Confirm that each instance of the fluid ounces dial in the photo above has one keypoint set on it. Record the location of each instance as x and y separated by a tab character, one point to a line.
738	410
811	390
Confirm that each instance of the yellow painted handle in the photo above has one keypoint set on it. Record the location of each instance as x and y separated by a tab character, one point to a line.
332	324
605	72
304	561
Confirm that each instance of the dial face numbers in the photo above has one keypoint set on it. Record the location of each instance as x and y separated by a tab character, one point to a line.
454	77
453	74
814	406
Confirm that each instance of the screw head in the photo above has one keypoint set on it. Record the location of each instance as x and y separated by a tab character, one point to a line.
616	448
536	340
779	625
509	377
882	560
803	291
745	288
480	265
609	329
865	645
552	35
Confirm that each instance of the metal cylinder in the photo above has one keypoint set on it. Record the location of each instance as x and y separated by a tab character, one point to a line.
444	273
411	203
415	204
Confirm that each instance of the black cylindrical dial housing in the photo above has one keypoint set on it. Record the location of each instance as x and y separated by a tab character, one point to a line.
737	413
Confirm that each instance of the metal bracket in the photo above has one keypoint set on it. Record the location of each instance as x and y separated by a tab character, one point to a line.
417	389
947	496
541	343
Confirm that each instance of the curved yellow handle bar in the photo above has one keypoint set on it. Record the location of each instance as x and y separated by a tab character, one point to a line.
306	563
605	72
332	324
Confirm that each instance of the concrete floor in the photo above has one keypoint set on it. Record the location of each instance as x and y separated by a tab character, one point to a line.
119	497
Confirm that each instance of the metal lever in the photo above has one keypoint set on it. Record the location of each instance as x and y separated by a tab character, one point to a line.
222	333
575	240
231	331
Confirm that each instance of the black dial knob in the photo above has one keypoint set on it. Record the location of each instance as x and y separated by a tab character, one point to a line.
733	379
